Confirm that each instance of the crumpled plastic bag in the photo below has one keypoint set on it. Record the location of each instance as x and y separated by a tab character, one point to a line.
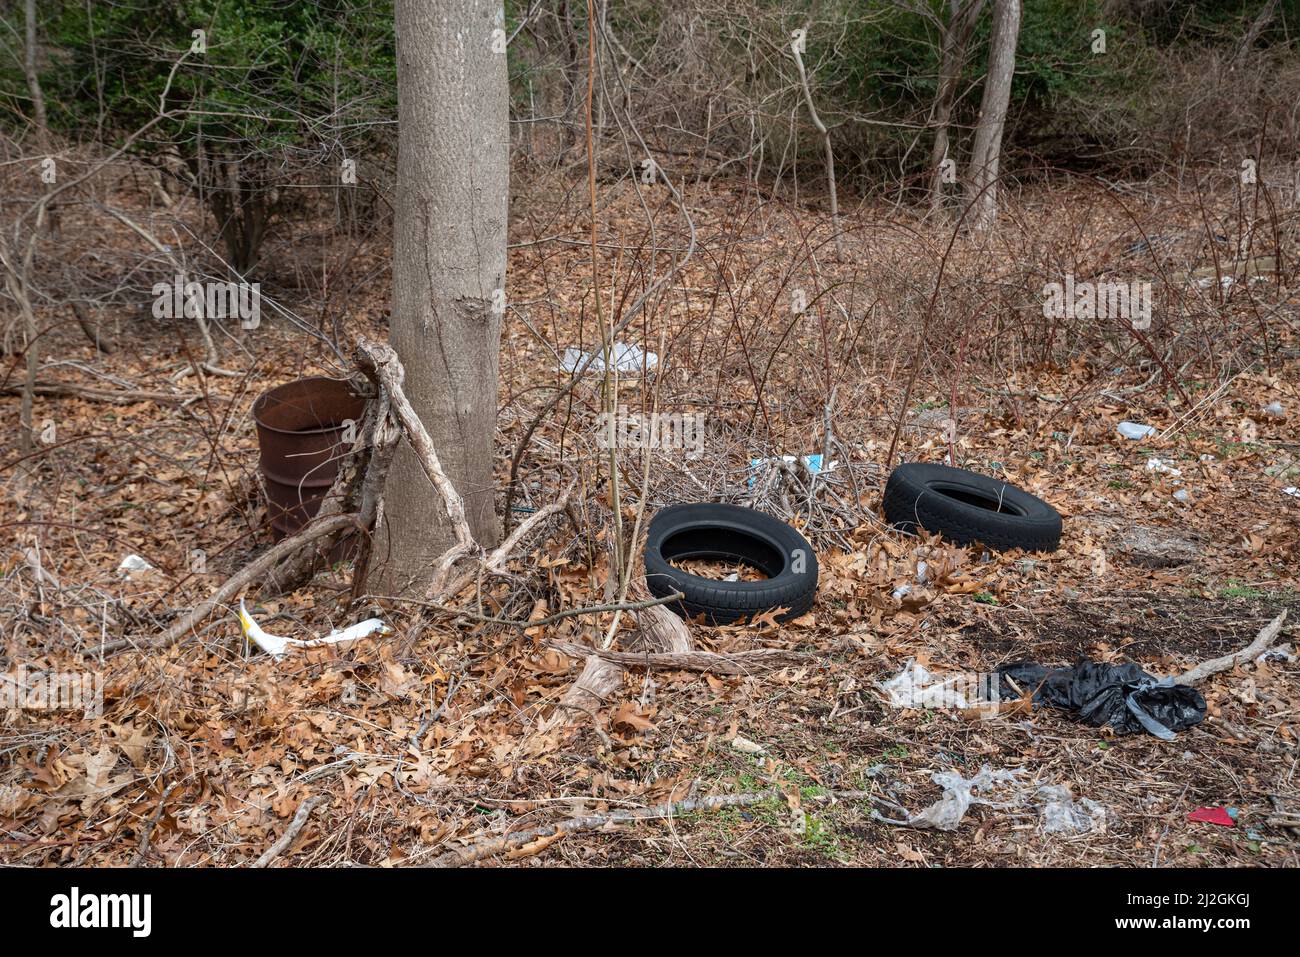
1122	696
1058	812
628	357
915	687
959	794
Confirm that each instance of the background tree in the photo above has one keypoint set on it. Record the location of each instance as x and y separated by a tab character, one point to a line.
271	92
986	154
957	30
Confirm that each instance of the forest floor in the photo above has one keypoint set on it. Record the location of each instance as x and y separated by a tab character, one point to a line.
435	737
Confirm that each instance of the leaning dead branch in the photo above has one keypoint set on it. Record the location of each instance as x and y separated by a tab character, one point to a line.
796	48
379	360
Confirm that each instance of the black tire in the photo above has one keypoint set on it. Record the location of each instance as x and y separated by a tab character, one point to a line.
965	508
736	534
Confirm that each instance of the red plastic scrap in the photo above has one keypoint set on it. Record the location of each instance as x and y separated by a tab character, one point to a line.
1213	815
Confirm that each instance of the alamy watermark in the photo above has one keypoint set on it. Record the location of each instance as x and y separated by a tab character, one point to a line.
133	912
209	300
653	430
1130	301
38	689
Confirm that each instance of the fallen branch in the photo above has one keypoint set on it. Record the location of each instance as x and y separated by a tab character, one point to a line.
1267	635
291	832
251	573
147	834
92	394
91	329
599	681
734	663
661	631
497	844
522	623
495	562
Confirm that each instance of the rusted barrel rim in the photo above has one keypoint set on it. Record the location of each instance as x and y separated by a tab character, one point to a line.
260	403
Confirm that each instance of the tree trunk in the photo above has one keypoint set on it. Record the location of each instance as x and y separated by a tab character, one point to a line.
33	79
993	112
956	37
449	265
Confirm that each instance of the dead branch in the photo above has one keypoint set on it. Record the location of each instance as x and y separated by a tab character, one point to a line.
495	562
250	574
735	663
291	832
1267	635
380	361
497	844
92	394
147	834
796	48
522	623
92	330
662	631
596	685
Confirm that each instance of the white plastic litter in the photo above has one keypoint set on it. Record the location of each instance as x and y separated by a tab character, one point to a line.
915	687
1292	491
276	646
1183	496
1278	653
134	565
1135	430
1058	812
1161	466
1275	409
902	591
813	463
628	357
1225	282
959	794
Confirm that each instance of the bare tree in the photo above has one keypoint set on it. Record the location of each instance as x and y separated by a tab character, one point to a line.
449	264
957	30
987	152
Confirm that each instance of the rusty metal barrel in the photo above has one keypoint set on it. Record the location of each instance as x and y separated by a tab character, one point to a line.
300	432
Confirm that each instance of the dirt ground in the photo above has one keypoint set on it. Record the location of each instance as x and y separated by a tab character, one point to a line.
437	736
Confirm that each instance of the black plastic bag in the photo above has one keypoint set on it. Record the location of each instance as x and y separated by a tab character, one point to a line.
1122	696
